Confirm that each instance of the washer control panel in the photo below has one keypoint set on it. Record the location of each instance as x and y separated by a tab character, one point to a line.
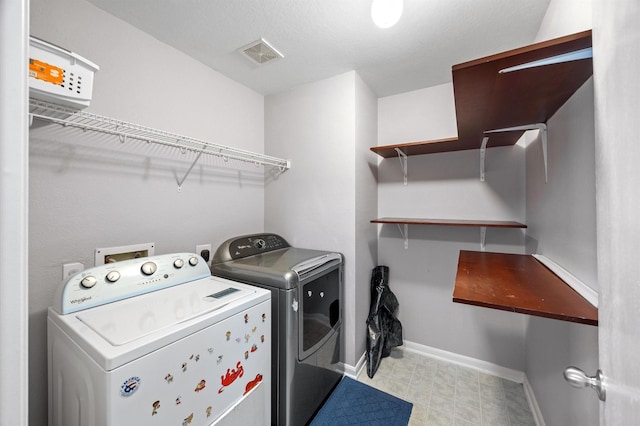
249	245
116	281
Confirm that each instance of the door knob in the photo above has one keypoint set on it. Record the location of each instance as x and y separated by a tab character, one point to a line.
578	379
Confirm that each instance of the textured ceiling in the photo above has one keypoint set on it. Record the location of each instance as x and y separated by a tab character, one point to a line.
323	38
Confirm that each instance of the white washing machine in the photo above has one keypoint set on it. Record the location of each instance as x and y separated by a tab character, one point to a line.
159	341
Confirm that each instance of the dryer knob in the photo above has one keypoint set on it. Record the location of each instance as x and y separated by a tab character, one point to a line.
88	281
260	244
178	263
148	268
193	261
113	276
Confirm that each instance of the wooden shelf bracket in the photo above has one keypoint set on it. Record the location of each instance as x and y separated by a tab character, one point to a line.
536	126
403	163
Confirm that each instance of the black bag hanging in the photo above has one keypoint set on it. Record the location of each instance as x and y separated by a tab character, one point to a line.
384	330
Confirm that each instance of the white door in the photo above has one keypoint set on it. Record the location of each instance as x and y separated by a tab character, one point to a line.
14	197
616	38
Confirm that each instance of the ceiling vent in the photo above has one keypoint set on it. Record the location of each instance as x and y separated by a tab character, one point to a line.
260	52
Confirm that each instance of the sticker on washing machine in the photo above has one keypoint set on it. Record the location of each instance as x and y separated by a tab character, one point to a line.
201	385
188	420
168	378
252	384
208	411
155	406
231	376
228	334
130	386
264	317
246	318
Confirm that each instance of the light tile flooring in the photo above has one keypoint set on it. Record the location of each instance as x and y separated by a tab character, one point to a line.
443	393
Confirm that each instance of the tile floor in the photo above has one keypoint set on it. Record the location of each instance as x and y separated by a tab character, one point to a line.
443	393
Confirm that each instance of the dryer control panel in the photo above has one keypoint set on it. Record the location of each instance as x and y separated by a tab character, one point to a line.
248	245
117	281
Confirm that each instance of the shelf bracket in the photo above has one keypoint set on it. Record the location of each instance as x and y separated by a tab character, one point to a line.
405	234
403	163
536	126
483	150
180	182
565	57
483	236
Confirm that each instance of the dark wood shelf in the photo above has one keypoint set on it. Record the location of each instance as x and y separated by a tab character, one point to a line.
487	100
449	222
415	148
518	283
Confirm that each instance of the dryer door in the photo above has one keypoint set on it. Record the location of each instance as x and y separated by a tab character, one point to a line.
319	310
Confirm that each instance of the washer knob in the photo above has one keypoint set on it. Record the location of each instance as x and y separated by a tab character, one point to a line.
193	261
148	268
113	276
178	263
88	281
259	244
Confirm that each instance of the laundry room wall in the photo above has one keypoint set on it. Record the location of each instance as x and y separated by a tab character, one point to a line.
89	190
561	219
446	186
322	202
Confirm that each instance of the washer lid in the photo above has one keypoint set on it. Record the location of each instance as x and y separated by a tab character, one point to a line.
125	321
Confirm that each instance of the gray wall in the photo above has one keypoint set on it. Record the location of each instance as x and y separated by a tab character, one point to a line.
320	203
366	170
447	186
561	220
89	190
561	216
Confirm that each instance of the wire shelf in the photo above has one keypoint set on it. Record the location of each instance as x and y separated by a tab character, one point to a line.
124	130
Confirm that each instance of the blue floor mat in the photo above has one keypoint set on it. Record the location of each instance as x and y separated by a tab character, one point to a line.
354	403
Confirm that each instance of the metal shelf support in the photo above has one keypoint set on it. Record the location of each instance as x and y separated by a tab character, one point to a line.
405	234
403	163
483	153
536	126
483	236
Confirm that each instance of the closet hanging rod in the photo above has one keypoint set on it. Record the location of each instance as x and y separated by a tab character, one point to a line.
124	130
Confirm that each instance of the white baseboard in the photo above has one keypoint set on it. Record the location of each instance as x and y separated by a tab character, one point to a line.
533	403
353	371
486	367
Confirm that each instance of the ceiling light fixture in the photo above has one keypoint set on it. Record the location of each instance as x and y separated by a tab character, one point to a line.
386	13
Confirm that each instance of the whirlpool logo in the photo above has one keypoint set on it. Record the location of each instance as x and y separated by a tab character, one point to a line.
130	386
80	300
